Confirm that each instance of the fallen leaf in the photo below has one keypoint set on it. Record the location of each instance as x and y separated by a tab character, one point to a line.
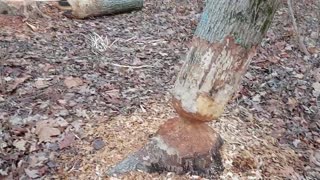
256	98
63	113
4	172
274	59
82	113
316	74
296	142
67	141
62	102
314	35
18	131
46	131
17	82
315	158
61	122
20	144
316	87
292	103
41	83
299	76
112	96
73	82
77	125
37	159
33	147
16	120
32	173
288	171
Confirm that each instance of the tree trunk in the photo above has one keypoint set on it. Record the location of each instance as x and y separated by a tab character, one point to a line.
223	45
88	8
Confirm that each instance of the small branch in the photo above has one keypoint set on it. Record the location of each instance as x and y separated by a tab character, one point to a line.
3	57
132	67
299	38
318	17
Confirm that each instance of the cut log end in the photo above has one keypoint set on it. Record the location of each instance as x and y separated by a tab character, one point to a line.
179	146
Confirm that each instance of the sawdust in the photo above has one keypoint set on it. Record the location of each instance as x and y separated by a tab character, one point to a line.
12	21
249	152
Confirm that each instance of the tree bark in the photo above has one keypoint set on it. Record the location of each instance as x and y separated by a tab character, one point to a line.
88	8
222	47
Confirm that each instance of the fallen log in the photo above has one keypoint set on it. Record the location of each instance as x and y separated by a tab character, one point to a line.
88	8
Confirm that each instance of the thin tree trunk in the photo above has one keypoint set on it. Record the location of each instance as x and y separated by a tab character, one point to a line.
225	41
89	8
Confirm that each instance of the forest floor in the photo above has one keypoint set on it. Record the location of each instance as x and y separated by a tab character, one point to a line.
70	109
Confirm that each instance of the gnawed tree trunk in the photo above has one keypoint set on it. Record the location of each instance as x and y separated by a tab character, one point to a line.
225	41
89	8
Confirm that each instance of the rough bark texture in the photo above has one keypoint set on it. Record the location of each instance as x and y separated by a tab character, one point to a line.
221	50
88	8
224	42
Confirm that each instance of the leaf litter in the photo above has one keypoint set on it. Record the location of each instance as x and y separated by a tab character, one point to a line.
69	110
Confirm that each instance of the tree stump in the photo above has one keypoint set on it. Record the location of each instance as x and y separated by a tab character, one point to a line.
180	146
88	8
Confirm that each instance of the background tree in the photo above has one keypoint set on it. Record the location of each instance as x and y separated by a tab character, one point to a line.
222	47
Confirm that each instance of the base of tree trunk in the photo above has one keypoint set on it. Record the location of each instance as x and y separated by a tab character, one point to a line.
180	146
88	8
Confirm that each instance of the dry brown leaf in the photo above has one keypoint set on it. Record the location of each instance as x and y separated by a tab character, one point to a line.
274	59
73	82
32	173
61	122
40	83
20	144
292	103
67	141
315	158
17	82
46	131
316	87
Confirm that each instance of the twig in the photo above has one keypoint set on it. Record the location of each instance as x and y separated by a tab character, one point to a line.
299	38
318	17
3	57
132	67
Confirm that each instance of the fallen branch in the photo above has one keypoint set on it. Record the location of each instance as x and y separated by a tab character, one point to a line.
3	56
132	67
318	16
298	36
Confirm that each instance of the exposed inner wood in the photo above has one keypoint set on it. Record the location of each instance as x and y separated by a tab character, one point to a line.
209	77
180	146
221	50
224	43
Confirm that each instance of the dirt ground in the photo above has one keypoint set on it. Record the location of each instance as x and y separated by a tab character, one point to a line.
77	96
